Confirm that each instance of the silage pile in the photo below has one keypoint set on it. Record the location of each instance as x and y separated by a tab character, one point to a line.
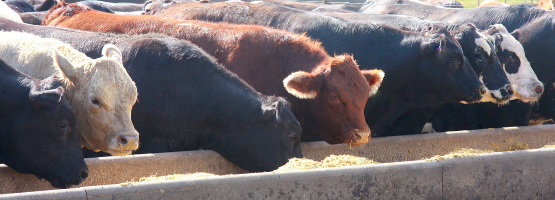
330	161
467	152
169	177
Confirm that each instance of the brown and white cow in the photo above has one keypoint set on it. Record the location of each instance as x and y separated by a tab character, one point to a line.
328	94
99	90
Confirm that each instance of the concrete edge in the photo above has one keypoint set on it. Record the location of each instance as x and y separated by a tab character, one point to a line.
229	185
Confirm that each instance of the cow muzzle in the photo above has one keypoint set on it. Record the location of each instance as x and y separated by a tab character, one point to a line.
361	136
123	144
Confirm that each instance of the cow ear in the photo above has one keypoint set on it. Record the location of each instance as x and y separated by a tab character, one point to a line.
374	78
47	99
516	33
302	85
67	69
112	51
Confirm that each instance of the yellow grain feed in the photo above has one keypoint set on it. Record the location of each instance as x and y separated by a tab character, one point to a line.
169	177
460	152
552	145
330	161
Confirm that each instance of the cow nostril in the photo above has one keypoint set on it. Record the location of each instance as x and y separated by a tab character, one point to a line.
122	140
539	89
84	174
511	92
482	90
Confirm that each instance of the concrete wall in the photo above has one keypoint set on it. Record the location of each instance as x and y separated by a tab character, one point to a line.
114	170
525	174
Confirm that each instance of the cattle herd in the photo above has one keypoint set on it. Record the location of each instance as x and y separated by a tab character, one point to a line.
252	80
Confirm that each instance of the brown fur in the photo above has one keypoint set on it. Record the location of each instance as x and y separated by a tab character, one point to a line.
263	57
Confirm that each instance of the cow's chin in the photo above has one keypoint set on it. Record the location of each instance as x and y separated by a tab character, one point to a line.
119	152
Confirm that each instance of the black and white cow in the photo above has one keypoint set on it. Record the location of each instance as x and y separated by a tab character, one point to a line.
37	129
530	26
187	101
426	68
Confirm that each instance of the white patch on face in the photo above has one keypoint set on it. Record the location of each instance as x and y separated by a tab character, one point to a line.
481	42
525	80
492	96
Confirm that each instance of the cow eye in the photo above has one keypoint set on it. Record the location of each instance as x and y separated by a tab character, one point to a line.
479	56
291	136
62	124
452	59
95	101
508	56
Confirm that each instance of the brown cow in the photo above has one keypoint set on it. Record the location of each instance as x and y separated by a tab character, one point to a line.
328	94
546	4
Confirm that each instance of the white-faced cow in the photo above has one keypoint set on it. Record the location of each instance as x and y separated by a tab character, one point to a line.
37	129
100	91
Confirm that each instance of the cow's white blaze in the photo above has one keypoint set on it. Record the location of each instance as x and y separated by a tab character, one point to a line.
482	42
525	80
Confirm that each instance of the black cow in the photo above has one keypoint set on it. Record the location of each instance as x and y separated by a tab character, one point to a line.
188	102
37	129
530	25
20	6
511	17
96	5
476	47
425	68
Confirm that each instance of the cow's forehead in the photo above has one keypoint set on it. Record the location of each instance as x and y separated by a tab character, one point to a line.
109	78
509	43
483	42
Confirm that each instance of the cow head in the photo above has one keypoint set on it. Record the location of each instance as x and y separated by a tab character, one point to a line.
272	137
484	61
102	96
446	69
42	138
511	54
339	91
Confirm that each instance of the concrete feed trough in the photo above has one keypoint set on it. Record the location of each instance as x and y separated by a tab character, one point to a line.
514	175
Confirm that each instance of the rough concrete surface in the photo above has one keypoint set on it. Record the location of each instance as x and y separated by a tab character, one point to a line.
115	170
416	179
505	175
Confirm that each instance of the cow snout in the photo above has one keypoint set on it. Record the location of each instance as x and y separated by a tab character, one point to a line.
84	174
128	142
483	90
505	94
360	137
123	144
539	89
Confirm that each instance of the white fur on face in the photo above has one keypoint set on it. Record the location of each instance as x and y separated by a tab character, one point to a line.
525	80
491	95
104	78
482	42
7	13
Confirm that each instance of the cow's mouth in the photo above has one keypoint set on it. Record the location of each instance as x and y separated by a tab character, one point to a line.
117	152
360	137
